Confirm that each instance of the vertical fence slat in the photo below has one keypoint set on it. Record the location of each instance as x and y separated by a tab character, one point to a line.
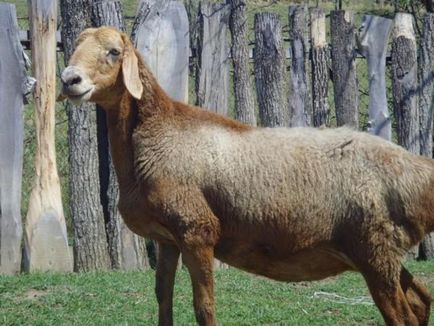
161	34
404	82
319	68
374	37
344	68
404	85
269	69
11	140
300	108
127	250
243	93
426	102
212	80
90	241
46	241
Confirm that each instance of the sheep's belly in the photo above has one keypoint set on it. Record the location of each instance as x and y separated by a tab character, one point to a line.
305	265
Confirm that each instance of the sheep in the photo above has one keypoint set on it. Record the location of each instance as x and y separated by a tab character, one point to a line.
293	205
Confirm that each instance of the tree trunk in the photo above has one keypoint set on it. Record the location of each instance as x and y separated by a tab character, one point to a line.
11	142
127	250
300	109
46	242
244	100
212	79
90	241
374	37
269	67
426	101
404	84
344	68
320	68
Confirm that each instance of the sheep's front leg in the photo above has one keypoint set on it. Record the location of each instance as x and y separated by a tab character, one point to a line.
199	262
186	214
167	262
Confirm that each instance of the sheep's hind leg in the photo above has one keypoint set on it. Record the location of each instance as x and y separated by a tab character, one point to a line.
167	262
417	296
389	297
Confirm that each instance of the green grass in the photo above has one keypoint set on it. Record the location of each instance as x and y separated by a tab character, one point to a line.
119	298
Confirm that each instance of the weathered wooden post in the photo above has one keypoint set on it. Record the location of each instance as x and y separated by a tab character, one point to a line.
127	250
90	240
161	35
344	68
269	68
426	102
404	82
300	108
319	68
373	40
46	242
12	77
404	87
212	80
244	99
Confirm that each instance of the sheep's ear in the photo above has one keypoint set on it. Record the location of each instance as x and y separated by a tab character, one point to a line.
130	70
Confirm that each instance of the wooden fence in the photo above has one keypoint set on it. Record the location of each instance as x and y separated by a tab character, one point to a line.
290	90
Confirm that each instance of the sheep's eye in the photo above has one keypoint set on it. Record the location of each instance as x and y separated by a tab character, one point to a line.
114	52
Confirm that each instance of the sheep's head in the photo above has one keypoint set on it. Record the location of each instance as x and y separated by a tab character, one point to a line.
103	65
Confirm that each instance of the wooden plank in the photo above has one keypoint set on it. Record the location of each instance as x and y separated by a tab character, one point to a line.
319	68
161	34
346	92
127	250
426	110
269	68
46	242
404	84
373	41
212	80
243	92
300	108
90	240
12	75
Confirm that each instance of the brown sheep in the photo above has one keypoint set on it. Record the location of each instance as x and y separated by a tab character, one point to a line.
290	204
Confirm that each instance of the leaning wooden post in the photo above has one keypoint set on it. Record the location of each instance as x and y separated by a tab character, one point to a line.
300	108
344	68
243	93
127	250
269	67
319	68
46	243
11	141
373	40
426	102
404	87
212	80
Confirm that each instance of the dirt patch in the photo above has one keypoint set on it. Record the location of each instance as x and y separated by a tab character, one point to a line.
33	294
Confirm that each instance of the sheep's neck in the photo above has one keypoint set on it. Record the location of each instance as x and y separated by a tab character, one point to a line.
121	121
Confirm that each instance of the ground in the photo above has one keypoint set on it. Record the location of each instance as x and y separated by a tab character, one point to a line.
127	298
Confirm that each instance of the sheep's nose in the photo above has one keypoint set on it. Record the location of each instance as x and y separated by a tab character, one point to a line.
70	76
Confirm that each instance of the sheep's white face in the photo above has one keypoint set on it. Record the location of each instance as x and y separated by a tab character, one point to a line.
94	70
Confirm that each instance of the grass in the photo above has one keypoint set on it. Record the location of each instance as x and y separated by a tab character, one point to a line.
127	298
